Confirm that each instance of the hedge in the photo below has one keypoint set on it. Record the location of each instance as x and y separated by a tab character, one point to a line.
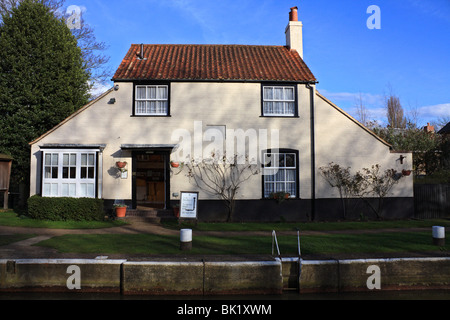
64	208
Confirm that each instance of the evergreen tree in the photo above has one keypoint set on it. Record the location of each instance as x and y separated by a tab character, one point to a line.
42	79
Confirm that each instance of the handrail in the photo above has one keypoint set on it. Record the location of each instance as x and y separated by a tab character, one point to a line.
274	240
298	244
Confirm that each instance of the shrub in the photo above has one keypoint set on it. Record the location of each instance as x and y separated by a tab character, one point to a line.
63	208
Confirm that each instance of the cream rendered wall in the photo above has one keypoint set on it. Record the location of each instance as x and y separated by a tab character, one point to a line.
236	105
340	139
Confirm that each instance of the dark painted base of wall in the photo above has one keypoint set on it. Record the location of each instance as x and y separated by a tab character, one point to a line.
293	210
298	210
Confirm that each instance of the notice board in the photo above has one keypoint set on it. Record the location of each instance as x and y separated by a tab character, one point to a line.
188	204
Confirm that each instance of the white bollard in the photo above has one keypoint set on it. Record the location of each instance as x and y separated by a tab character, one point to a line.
185	239
438	235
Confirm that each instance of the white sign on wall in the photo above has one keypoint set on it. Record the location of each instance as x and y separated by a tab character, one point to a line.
188	204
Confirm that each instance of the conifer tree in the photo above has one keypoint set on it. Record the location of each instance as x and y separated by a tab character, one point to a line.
42	79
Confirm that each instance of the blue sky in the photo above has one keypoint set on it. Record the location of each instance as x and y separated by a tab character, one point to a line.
410	53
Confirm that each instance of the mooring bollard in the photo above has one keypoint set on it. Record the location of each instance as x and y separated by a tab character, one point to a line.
438	235
185	239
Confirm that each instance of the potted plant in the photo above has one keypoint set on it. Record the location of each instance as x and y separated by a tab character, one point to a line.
121	164
121	210
176	210
174	164
406	172
280	196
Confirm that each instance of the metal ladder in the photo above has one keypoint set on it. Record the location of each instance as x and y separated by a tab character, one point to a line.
290	266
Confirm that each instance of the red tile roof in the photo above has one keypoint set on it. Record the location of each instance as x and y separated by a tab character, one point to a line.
213	62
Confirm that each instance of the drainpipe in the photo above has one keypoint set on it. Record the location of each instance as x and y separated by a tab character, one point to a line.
313	153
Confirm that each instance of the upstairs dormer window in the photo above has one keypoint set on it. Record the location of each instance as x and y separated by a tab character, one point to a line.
279	101
151	100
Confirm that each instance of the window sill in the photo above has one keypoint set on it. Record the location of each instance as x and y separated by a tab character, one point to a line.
149	115
280	116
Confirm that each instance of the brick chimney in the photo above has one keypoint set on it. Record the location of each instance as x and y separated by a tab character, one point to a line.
428	128
294	34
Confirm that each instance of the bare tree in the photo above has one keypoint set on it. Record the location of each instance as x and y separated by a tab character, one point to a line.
221	177
394	110
362	114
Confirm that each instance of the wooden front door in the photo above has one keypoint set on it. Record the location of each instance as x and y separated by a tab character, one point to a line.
150	180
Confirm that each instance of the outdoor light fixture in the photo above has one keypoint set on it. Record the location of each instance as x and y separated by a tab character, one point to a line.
112	101
401	159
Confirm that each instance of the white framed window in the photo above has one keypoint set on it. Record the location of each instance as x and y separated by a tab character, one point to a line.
280	173
152	100
69	173
279	101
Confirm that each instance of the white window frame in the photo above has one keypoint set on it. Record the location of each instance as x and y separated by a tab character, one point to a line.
57	184
272	169
285	101
149	100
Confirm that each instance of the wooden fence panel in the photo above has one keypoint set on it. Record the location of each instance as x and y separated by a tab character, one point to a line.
432	201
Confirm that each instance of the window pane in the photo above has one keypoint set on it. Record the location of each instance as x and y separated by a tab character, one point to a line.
73	172
73	159
289	107
268	93
46	189
289	93
65	159
162	92
72	190
140	92
48	159
290	175
279	187
84	159
290	188
83	173
48	172
278	93
91	171
54	189
54	159
140	107
54	172
65	190
65	172
91	160
90	190
151	92
290	160
278	107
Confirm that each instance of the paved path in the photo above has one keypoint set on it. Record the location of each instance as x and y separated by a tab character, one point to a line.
24	249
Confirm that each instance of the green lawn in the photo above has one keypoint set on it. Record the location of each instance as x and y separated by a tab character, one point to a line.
10	218
309	226
245	244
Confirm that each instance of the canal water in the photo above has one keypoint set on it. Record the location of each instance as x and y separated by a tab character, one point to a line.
287	296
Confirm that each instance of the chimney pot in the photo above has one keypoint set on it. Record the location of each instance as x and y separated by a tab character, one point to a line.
293	14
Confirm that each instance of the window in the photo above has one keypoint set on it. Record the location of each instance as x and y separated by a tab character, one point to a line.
152	100
280	173
69	173
279	101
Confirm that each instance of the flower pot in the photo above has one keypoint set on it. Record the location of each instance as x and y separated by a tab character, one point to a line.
120	212
121	164
174	164
406	172
176	212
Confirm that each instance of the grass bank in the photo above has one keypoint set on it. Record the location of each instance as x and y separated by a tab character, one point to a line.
12	219
308	226
246	244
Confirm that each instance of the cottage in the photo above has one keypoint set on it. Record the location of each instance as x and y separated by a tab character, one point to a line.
119	146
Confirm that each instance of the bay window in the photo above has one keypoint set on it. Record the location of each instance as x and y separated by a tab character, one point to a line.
69	173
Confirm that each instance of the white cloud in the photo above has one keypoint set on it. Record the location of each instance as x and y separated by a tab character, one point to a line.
98	89
435	111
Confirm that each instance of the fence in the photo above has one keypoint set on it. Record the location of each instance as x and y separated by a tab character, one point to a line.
432	200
